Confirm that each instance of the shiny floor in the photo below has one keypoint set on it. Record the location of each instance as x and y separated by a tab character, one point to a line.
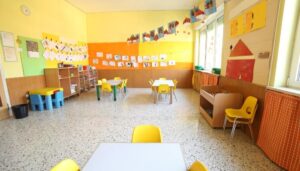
74	131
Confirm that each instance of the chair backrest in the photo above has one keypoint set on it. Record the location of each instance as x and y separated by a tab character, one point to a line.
250	106
175	84
117	78
103	80
66	165
162	78
106	87
163	88
146	134
198	166
99	82
36	99
125	82
59	95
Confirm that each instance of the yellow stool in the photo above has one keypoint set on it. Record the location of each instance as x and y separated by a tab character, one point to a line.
198	166
66	165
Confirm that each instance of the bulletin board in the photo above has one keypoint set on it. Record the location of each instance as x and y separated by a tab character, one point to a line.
252	19
33	64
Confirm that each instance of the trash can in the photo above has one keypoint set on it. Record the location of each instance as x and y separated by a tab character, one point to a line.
20	111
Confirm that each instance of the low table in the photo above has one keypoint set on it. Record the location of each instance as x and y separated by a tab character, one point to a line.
157	83
114	84
136	157
47	92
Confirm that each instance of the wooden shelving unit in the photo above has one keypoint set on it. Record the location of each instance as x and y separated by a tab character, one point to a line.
213	102
66	78
88	79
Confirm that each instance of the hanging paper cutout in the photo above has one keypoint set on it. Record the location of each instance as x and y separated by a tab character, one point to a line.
186	21
172	27
152	35
240	69
240	49
210	7
160	31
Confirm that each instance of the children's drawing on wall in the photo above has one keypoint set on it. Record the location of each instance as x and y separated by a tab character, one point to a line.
99	54
105	63
140	59
240	69
32	49
154	58
210	7
135	64
109	56
128	64
146	64
162	57
121	64
163	64
172	62
155	64
240	49
132	58
152	35
146	58
112	63
125	58
160	31
117	57
95	61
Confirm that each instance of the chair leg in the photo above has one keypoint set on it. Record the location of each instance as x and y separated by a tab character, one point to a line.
233	128
174	95
251	132
33	107
224	124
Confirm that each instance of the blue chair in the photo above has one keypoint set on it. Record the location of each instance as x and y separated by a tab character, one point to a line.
58	99
36	101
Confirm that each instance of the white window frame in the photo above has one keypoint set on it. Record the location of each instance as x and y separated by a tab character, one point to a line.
212	19
295	62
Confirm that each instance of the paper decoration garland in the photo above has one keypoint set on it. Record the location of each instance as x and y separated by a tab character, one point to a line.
152	35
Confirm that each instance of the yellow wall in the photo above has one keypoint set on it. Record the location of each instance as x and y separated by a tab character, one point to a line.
51	16
118	26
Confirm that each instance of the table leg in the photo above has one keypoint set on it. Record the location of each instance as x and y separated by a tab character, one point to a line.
115	92
48	101
98	92
155	95
171	95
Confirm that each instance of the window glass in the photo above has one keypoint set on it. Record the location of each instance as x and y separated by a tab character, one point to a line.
219	42
202	48
210	46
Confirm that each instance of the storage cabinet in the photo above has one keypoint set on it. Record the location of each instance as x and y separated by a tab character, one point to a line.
202	78
66	78
88	79
213	102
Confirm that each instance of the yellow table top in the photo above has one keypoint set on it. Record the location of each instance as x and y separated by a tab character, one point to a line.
45	91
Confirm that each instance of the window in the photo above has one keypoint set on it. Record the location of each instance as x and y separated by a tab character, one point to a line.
294	77
210	44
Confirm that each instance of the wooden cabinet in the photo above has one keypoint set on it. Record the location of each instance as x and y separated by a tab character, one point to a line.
213	102
88	79
66	78
202	78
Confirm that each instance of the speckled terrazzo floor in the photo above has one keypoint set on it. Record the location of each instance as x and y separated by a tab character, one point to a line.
44	138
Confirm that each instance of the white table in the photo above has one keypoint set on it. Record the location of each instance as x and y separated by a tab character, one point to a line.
136	157
157	83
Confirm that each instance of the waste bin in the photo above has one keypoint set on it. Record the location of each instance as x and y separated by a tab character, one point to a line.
20	111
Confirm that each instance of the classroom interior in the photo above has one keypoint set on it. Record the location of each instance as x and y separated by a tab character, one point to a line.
142	85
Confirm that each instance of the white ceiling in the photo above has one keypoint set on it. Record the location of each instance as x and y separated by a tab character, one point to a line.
131	5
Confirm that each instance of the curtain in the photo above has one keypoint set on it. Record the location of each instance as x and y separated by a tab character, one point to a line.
279	135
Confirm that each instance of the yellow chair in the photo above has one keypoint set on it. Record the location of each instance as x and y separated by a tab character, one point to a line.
66	165
117	78
146	134
152	88
163	89
99	82
162	78
122	85
244	115
103	80
174	88
106	87
198	166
